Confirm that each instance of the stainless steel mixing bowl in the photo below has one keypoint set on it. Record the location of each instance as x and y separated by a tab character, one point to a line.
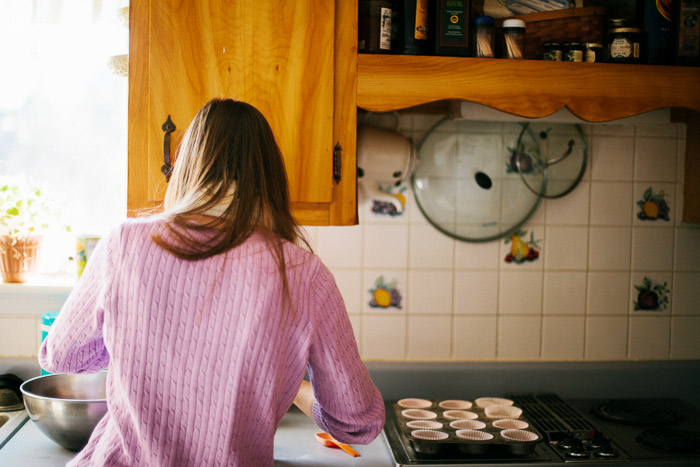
66	407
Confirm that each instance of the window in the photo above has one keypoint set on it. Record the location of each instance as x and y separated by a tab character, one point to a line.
63	112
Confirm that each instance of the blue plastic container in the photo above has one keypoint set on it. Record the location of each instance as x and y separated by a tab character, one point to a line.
47	320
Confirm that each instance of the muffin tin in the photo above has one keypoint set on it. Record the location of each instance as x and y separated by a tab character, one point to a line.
477	428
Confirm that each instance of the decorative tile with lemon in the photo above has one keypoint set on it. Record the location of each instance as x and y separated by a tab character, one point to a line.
653	206
385	294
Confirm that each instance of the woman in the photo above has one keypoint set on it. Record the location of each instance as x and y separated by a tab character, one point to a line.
208	316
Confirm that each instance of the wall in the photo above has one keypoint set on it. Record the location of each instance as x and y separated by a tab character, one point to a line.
463	301
576	301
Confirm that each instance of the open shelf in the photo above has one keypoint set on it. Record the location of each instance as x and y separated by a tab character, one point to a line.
594	92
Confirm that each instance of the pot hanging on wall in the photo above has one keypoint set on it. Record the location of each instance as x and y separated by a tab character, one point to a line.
19	257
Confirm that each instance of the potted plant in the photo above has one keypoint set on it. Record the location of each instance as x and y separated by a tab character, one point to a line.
26	211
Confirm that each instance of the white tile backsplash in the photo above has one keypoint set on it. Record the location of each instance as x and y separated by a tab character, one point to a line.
430	248
384	336
687	249
482	255
606	337
429	337
520	293
349	282
463	301
475	337
571	209
611	203
564	293
340	246
613	157
385	246
429	292
476	293
649	337
655	159
652	249
519	337
566	248
563	337
608	293
686	294
609	248
685	343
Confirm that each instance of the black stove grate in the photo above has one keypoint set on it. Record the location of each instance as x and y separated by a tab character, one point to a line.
550	413
671	440
636	413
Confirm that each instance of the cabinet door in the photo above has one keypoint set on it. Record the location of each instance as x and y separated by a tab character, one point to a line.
278	56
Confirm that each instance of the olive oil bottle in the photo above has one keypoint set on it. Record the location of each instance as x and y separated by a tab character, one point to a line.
450	23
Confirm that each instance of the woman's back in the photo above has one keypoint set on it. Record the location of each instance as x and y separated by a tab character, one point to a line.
208	315
206	356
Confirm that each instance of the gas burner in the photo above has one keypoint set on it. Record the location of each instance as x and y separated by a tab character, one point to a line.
636	413
670	440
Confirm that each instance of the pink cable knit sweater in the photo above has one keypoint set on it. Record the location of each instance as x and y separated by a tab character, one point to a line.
205	357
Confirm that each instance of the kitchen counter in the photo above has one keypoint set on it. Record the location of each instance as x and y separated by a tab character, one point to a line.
295	445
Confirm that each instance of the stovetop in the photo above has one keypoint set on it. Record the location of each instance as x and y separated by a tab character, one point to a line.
648	429
655	432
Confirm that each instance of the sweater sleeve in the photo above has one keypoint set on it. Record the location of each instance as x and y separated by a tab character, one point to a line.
348	405
74	343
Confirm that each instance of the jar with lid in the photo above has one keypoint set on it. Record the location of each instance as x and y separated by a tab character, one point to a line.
552	52
625	45
573	52
593	52
483	36
513	38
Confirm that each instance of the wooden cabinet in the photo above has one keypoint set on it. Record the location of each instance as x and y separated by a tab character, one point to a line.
289	59
594	92
297	62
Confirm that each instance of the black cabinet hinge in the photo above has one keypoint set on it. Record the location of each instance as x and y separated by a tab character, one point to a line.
337	162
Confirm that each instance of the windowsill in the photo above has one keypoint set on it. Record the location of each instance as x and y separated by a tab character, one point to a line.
37	296
44	281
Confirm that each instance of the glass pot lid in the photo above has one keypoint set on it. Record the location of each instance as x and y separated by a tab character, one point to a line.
551	157
466	183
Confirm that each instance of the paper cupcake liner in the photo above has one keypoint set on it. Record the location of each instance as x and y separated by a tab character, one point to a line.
429	435
474	435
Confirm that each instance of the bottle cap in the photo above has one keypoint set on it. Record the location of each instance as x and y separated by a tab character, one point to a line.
514	23
483	21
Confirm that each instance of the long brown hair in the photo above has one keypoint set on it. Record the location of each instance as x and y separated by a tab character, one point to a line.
228	159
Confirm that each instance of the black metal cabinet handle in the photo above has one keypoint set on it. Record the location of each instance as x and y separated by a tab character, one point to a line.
167	169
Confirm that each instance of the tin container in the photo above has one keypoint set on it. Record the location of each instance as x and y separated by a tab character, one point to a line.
625	45
437	428
573	52
552	52
593	52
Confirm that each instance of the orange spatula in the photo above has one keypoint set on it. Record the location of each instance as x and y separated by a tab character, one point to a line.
327	440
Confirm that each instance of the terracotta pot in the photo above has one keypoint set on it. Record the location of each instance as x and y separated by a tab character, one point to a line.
19	258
